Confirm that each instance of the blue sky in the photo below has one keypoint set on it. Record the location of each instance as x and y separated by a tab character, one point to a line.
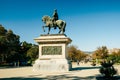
90	23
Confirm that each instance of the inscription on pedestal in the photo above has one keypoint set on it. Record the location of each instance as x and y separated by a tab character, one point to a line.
51	50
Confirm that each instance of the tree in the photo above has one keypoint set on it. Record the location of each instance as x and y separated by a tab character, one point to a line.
115	56
9	44
12	50
13	46
80	55
3	42
32	53
75	54
25	46
71	52
2	31
100	53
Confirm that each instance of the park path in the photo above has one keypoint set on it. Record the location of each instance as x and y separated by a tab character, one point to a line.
79	72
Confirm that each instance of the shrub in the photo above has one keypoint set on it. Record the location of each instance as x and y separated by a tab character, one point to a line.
107	69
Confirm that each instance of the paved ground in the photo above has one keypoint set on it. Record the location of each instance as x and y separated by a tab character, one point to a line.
81	72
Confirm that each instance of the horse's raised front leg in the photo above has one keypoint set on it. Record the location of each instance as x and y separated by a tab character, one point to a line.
43	28
59	31
49	30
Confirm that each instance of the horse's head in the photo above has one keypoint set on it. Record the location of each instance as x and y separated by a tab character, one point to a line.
46	18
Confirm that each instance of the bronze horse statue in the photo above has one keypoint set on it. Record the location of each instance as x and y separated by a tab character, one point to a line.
52	24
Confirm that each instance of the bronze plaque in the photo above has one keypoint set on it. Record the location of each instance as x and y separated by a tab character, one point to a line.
52	50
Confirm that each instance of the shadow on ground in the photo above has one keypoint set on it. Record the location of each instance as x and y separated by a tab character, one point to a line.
61	77
103	78
85	68
57	77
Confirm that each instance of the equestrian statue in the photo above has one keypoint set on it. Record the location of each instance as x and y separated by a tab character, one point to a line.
54	22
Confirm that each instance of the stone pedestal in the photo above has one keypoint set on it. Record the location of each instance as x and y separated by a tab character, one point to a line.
52	53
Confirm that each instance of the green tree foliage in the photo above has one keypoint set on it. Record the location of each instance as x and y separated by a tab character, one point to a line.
74	54
2	31
115	56
24	48
32	53
9	45
3	42
12	50
13	44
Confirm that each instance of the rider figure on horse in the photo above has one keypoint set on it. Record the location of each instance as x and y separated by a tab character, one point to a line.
55	17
